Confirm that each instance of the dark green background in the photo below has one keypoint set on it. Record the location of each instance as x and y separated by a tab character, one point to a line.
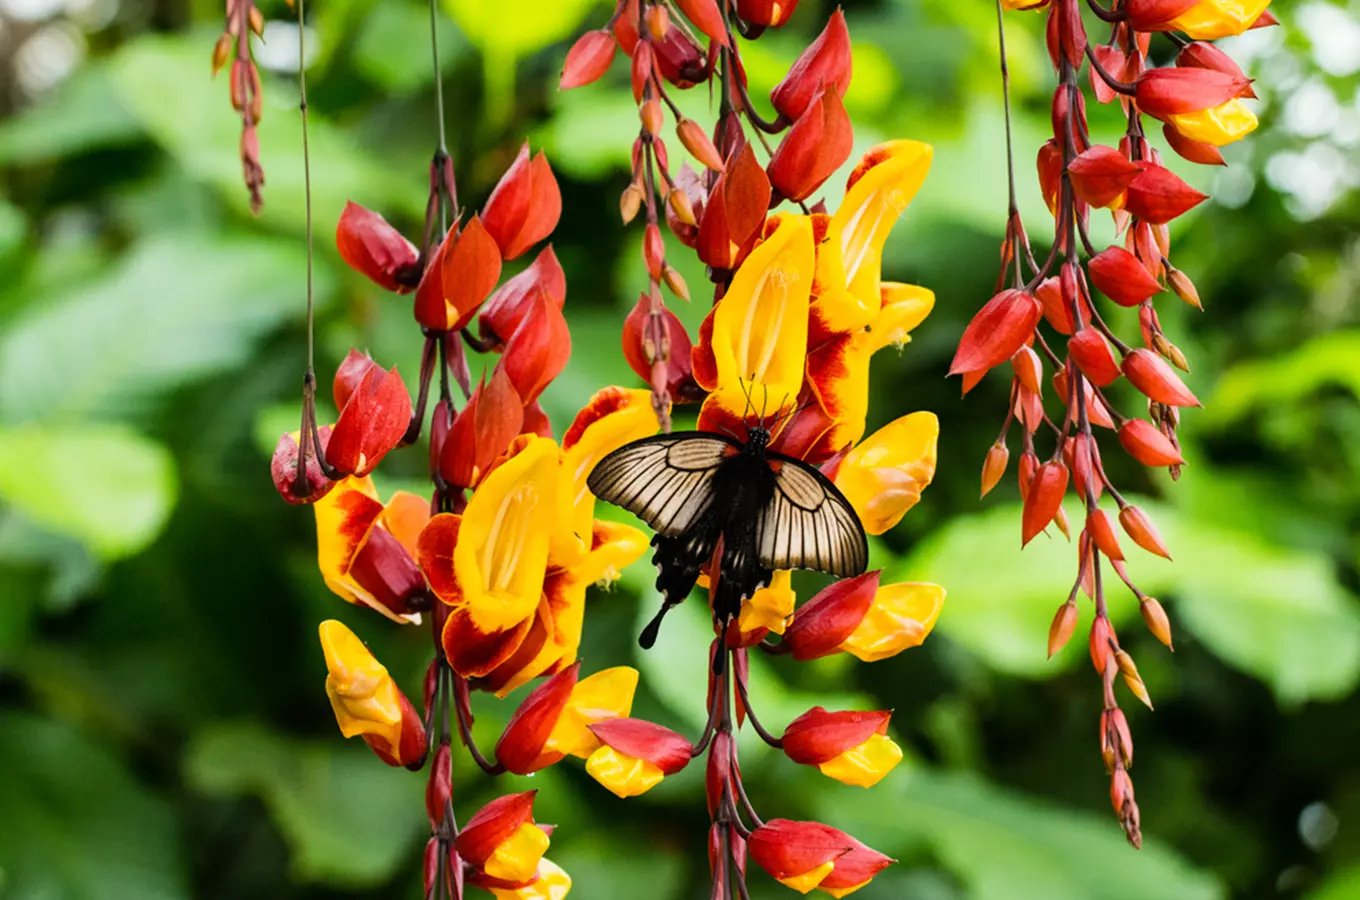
163	729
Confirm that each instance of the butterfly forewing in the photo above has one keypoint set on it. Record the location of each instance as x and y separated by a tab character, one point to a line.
667	481
809	524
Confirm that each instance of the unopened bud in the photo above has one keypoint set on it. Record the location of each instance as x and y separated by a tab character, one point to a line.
1131	677
1029	464
697	142
674	280
1121	790
658	22
221	50
1029	369
256	20
994	466
1115	740
651	115
1100	643
679	203
1184	288
630	201
653	251
1156	620
1064	623
1060	519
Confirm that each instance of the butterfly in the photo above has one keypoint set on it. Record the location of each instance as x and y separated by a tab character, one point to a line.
700	490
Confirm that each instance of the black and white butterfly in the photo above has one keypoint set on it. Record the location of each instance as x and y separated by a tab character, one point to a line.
770	511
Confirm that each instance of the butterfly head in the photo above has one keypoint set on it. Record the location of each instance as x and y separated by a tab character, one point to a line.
757	438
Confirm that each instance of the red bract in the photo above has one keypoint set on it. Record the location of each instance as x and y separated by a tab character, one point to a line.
1119	275
1195	151
823	623
539	348
787	849
1113	60
1153	15
707	17
1152	375
1204	55
524	207
587	60
349	374
375	249
1157	195
1044	499
1169	92
520	748
641	350
814	148
766	12
493	825
996	332
818	736
483	430
1093	355
371	423
734	211
1050	167
1101	175
1138	526
283	469
826	63
1146	444
505	310
460	276
669	751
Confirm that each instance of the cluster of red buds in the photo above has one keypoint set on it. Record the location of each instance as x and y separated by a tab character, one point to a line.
243	20
1199	102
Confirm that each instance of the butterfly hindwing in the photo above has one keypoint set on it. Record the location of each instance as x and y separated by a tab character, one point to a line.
808	524
667	480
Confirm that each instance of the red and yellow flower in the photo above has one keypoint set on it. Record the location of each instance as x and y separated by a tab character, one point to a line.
809	855
635	755
367	702
554	720
851	747
503	843
865	619
366	549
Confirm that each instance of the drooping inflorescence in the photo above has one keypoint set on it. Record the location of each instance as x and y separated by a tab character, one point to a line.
1047	312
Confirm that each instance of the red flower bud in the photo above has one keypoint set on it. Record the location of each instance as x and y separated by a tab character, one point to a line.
1092	354
1119	275
1044	500
520	748
1167	92
1145	443
769	13
1101	175
1149	373
1157	195
818	736
493	825
1060	631
372	422
1155	619
824	622
1153	15
283	469
375	249
1138	526
1050	166
539	348
668	750
814	148
734	211
587	60
653	251
644	66
696	141
525	205
1205	154
1101	635
999	329
1101	530
439	789
1204	55
506	309
642	347
993	467
825	63
707	18
1056	310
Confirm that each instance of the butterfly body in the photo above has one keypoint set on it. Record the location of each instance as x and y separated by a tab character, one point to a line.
701	491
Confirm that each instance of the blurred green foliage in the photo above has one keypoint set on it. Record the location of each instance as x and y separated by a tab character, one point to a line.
163	731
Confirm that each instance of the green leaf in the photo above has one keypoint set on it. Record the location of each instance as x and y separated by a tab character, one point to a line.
85	114
516	28
384	49
173	310
106	486
348	818
1344	885
1004	845
1279	381
192	118
74	823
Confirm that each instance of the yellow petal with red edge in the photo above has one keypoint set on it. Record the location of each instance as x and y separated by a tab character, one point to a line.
852	254
517	857
364	697
612	418
1217	125
502	550
1210	20
625	776
810	879
552	884
904	307
838	371
883	477
608	694
901	616
344	518
845	891
760	325
771	606
865	765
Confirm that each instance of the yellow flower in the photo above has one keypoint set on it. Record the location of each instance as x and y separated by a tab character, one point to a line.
517	857
608	694
866	764
1217	125
625	776
901	616
771	606
1209	20
883	477
552	884
365	699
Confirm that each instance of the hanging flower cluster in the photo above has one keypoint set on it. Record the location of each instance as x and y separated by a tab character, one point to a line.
499	560
247	98
1198	100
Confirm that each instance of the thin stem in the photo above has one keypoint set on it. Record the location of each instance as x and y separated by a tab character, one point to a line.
438	80
765	736
1006	104
464	709
1119	87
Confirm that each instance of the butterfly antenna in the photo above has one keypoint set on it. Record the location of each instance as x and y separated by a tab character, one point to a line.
747	393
